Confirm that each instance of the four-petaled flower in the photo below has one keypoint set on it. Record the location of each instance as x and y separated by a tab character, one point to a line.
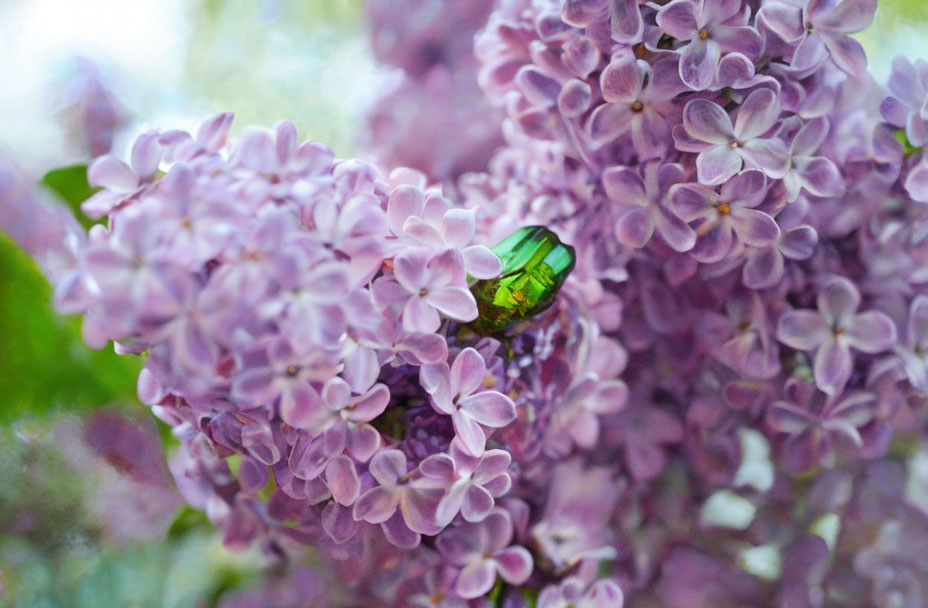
833	330
819	30
725	215
723	149
816	424
645	205
403	510
712	28
428	286
454	391
482	550
470	483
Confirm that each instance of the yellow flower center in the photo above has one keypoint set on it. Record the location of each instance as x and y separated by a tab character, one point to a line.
703	34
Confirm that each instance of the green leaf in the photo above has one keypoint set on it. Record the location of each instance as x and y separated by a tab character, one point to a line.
71	186
186	521
44	365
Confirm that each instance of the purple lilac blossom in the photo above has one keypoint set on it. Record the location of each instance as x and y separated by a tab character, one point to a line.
434	80
743	326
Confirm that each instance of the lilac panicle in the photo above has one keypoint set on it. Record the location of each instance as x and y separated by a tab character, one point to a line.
742	339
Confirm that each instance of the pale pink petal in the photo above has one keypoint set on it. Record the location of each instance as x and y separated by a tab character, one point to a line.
214	130
387	466
714	245
621	81
472	438
110	172
450	504
423	232
476	579
832	367
342	480
838	300
299	405
757	114
707	121
363	442
420	316
405	201
146	155
457	303
481	262
410	267
371	405
678	19
467	372
376	505
477	503
783	19
847	53
754	228
802	329
457	227
717	165
871	332
769	155
490	408
623	185
336	393
515	564
699	63
634	227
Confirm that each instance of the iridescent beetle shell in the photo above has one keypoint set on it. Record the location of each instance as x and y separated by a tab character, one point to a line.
535	265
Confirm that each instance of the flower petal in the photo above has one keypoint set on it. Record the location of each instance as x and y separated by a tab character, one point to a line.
515	564
621	81
832	367
707	121
111	173
470	435
847	53
490	408
387	466
717	165
678	20
476	579
769	155
838	300
757	114
477	503
871	332
754	228
699	63
467	372
457	227
802	329
457	303
481	262
342	480
404	202
376	505
623	185
410	267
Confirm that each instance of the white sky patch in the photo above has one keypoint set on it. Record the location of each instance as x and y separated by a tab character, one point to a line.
143	38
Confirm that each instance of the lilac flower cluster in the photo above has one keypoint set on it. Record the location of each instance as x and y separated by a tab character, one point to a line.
734	370
428	88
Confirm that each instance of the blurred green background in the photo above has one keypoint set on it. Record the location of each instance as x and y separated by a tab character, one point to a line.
75	528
